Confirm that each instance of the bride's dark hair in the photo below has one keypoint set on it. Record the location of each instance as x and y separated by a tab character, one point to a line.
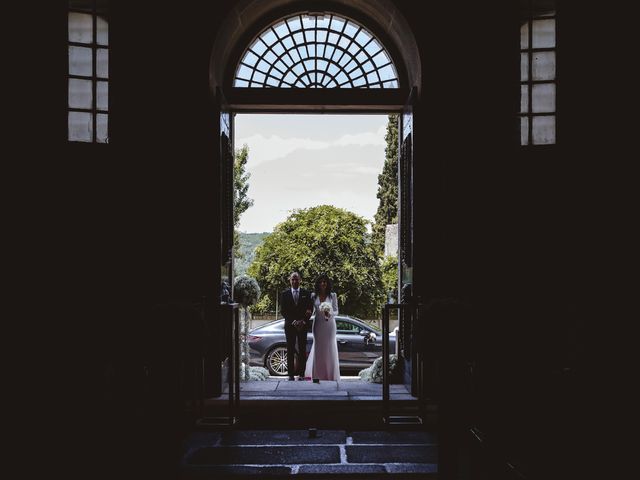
324	277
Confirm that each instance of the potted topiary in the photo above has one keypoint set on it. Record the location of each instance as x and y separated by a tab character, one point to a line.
246	292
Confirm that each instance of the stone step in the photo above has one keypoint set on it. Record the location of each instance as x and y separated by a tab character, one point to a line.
312	454
292	414
315	471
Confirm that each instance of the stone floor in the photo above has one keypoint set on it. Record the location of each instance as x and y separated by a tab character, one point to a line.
311	453
347	388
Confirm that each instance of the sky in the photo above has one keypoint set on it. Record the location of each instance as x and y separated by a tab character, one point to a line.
300	161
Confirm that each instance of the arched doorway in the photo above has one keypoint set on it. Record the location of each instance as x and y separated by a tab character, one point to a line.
318	57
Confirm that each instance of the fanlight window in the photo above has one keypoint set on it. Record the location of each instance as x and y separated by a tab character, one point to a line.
316	51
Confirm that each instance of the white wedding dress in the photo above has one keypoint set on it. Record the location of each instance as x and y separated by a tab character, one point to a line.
323	358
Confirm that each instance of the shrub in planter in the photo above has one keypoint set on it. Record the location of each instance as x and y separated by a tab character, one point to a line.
373	374
258	373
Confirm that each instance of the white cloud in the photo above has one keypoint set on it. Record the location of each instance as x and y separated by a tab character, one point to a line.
362	139
267	148
264	149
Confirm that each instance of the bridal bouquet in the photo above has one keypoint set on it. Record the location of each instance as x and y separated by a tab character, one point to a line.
326	308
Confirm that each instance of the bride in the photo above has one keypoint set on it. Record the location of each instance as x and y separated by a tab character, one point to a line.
322	363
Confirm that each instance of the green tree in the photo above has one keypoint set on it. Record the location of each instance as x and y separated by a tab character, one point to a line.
387	212
389	270
241	200
323	239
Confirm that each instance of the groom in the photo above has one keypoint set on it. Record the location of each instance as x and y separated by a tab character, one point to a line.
296	310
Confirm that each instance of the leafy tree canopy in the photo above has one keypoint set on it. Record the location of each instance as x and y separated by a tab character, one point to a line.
389	270
241	200
323	239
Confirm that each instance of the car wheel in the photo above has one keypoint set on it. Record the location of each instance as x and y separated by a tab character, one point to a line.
276	361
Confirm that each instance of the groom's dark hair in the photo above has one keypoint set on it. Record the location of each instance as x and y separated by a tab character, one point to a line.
324	277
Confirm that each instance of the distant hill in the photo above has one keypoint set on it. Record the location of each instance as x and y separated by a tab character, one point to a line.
248	244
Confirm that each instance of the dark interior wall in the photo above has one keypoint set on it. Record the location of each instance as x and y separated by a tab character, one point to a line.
164	137
506	229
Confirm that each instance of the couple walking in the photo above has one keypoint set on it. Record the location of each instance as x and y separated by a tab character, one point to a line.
298	306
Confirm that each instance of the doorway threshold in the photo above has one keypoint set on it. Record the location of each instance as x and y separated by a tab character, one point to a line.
349	389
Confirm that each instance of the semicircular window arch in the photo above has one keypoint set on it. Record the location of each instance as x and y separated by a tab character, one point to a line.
316	51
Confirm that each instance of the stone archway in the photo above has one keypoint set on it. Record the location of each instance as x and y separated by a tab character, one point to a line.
248	17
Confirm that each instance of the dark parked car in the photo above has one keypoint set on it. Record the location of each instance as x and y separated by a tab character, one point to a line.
359	344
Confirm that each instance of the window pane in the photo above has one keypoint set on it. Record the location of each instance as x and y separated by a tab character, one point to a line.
279	69
244	72
294	23
544	33
381	59
258	47
102	31
363	37
337	24
278	49
269	38
80	93
310	36
80	27
322	36
341	78
544	130
353	48
524	98
102	132
250	58
102	100
80	61
387	73
524	131
80	127
373	48
524	36
323	22
524	67
281	29
102	67
308	22
350	29
544	98
544	66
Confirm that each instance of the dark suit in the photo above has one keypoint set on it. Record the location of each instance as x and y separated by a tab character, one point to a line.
291	312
